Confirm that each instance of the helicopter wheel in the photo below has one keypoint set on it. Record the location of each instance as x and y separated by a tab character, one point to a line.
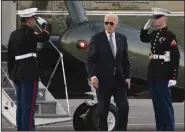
93	121
79	117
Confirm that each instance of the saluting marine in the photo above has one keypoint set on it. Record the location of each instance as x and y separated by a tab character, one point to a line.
22	66
163	67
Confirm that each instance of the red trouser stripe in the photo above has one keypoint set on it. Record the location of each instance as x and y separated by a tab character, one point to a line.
33	104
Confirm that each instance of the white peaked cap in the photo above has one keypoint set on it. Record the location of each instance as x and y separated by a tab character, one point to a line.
27	12
160	11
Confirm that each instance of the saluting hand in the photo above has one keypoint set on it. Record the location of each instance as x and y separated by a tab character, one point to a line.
128	82
94	82
148	24
41	21
172	83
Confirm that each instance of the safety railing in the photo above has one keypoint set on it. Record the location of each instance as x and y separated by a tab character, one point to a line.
7	78
53	73
103	12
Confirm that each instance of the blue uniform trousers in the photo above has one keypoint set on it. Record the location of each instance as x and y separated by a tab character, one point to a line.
161	97
26	94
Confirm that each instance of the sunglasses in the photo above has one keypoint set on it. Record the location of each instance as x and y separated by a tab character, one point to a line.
111	23
157	16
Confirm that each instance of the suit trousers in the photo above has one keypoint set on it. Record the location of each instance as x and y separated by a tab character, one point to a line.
120	97
26	94
161	97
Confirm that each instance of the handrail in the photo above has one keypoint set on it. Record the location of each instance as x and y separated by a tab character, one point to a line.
5	46
8	78
108	11
61	58
5	94
103	12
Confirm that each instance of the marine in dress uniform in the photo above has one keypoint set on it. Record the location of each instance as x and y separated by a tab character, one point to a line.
22	67
163	67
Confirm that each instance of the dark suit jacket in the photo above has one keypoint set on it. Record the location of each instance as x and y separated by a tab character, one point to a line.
100	60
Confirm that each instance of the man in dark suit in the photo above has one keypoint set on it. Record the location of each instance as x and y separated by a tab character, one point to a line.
108	68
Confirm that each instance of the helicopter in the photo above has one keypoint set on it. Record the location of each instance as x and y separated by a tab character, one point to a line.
73	43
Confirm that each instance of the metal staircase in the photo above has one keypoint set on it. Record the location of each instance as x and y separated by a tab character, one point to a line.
48	110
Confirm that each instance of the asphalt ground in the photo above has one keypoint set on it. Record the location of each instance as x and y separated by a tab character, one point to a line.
141	117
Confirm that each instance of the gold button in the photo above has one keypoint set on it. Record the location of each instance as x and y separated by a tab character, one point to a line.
161	62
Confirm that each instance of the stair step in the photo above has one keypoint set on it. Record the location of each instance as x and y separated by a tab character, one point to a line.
3	53
45	102
40	96
4	81
4	66
51	115
45	107
2	76
3	47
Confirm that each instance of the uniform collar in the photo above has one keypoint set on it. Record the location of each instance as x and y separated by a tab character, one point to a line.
25	26
164	28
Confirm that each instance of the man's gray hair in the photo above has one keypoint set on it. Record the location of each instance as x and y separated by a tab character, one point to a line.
111	14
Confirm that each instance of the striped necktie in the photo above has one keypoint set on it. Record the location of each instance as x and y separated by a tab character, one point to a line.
111	45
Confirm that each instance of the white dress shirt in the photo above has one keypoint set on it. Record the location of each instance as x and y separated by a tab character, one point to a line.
113	39
114	44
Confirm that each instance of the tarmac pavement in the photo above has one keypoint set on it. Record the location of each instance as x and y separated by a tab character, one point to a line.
141	117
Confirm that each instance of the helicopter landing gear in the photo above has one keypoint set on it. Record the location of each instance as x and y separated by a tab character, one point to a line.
79	117
93	121
86	118
86	115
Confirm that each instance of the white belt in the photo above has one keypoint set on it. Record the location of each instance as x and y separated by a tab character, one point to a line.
157	56
19	57
165	57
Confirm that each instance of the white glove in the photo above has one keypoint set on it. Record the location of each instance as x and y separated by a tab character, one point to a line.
40	20
172	83
148	24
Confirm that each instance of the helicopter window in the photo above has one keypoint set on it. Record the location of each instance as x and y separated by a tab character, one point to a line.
60	21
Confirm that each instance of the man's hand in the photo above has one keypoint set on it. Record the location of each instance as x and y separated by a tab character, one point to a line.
148	24
94	82
128	82
41	21
172	83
